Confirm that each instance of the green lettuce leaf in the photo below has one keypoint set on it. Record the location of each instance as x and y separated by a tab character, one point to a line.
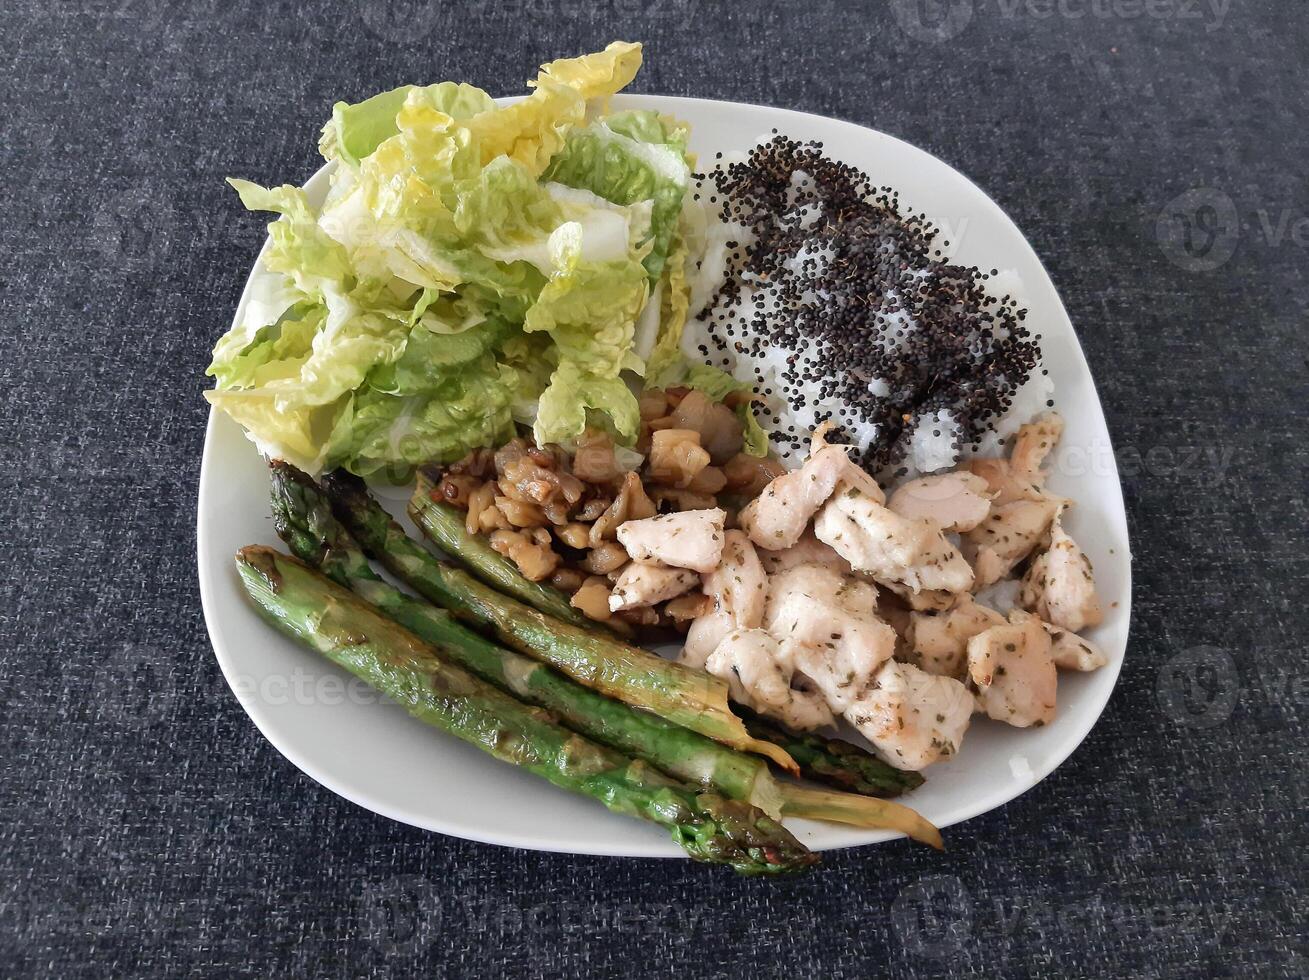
627	158
387	436
575	399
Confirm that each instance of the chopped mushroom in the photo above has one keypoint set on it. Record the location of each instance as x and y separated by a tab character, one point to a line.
645	585
1060	587
911	717
719	429
891	548
676	457
691	539
1013	670
631	504
956	501
593	598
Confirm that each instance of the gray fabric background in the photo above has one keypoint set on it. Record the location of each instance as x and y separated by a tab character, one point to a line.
147	829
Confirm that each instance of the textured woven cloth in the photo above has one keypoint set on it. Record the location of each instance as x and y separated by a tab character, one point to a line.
1154	153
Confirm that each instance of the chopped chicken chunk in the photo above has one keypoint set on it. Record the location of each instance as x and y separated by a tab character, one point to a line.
807	551
739	590
644	585
778	516
854	474
1072	652
690	539
1033	443
1059	586
1013	670
703	636
891	548
1006	537
956	501
912	718
1020	477
738	585
828	622
940	641
925	600
1002	482
758	671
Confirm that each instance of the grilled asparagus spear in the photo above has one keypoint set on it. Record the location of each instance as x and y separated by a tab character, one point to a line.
691	699
350	633
825	760
832	761
305	521
445	526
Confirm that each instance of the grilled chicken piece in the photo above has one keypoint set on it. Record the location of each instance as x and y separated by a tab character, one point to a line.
1072	652
1006	537
912	718
1033	443
807	551
926	600
854	474
829	625
691	539
939	642
957	501
778	516
1020	477
644	585
703	636
739	590
738	585
892	549
758	671
1013	670
1060	587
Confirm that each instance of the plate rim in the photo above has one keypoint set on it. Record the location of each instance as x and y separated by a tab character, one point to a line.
657	848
